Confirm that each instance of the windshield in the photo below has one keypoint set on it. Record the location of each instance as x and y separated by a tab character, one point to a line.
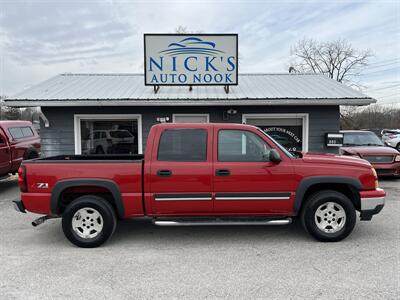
120	134
361	139
290	155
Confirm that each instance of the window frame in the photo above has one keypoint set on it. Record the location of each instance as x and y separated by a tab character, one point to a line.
190	115
303	116
241	130
183	161
105	117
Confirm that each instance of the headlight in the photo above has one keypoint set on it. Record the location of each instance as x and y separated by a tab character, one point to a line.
397	157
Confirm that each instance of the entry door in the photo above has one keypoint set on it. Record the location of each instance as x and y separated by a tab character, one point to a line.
5	156
245	181
181	172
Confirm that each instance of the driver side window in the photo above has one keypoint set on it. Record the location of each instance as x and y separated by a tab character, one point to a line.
241	146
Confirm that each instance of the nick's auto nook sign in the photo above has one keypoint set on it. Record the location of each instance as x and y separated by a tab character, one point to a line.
191	59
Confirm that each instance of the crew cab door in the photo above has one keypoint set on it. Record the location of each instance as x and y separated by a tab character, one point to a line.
245	181
181	170
5	155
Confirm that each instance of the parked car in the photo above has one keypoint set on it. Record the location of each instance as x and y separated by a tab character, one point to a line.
18	141
388	134
367	145
110	141
201	174
393	140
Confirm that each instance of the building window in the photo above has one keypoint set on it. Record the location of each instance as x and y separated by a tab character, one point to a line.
289	130
190	118
108	134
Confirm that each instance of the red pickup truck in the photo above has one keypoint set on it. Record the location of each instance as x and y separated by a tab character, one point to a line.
18	141
201	174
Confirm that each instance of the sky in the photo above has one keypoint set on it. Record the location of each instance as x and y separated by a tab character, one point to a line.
43	38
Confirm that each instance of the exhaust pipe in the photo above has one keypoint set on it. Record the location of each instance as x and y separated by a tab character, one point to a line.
41	220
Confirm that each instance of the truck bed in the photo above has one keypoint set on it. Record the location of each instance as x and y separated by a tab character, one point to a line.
123	171
92	158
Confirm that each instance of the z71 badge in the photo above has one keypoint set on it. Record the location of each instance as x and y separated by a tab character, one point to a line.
42	185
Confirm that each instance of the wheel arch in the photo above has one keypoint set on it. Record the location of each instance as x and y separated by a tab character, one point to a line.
347	185
106	184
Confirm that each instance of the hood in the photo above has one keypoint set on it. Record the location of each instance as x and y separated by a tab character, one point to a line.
329	158
368	150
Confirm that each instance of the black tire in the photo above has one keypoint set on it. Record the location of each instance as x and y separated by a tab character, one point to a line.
109	221
398	147
316	201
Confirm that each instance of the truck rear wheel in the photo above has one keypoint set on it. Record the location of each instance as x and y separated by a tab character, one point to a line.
329	216
89	221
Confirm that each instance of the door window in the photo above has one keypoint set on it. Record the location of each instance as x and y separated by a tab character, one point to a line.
241	146
183	145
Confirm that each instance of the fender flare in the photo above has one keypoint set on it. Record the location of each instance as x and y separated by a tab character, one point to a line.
110	185
308	182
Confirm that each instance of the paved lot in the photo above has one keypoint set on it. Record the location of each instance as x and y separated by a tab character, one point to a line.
143	261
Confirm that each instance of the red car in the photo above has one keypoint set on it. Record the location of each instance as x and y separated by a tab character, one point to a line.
366	145
201	174
18	141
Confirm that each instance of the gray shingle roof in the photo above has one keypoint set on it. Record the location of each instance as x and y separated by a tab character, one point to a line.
263	89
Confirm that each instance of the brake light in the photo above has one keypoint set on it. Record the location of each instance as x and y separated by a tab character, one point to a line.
22	179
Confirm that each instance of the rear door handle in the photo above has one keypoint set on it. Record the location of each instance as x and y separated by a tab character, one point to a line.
222	172
164	173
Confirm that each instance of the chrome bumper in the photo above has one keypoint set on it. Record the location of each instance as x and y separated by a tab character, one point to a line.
370	207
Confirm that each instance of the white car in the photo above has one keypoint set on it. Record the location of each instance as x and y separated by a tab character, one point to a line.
389	134
394	141
110	141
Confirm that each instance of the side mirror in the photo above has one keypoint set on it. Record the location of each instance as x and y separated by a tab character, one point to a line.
274	156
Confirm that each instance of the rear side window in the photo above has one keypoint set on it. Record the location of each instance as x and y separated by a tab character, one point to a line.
183	145
20	132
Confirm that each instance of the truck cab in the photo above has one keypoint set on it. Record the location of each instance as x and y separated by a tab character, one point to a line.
18	141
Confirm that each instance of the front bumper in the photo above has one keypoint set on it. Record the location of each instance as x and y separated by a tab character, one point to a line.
372	203
19	206
389	169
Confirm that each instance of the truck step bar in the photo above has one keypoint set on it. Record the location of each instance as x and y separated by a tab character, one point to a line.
221	222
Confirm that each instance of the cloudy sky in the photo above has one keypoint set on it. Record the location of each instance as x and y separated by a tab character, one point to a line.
42	38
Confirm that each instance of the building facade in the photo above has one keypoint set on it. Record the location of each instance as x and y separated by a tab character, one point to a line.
113	113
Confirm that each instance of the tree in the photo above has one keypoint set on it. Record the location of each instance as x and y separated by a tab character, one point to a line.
336	59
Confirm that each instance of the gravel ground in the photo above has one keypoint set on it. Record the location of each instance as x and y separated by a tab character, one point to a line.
144	261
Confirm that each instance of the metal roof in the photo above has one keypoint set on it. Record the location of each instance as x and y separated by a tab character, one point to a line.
129	89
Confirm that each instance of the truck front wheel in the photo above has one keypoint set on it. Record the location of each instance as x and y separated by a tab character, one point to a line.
329	216
89	221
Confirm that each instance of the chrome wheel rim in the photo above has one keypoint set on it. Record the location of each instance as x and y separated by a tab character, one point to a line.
87	223
330	217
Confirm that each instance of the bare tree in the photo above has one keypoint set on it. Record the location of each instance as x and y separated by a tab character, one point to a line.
336	59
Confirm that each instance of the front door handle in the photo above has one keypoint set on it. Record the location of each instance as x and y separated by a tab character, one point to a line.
222	172
164	173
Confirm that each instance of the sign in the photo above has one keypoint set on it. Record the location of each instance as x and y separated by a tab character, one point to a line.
334	139
290	137
190	59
